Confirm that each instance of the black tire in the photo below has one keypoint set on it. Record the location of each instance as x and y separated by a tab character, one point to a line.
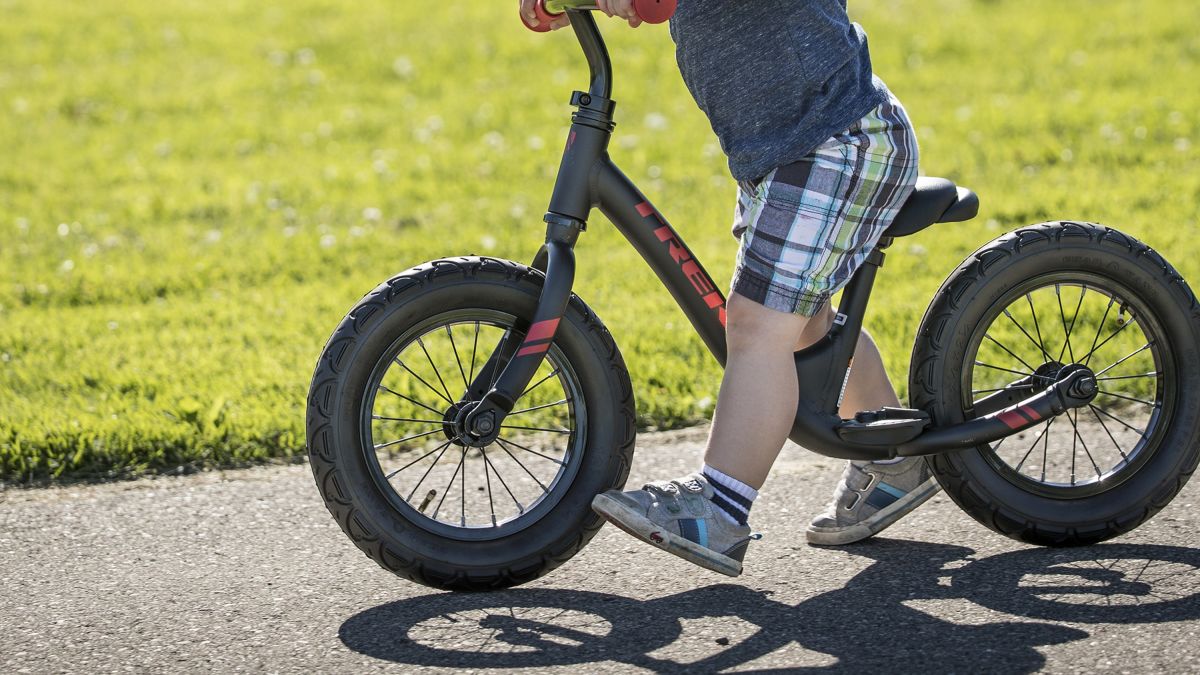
1151	459
396	529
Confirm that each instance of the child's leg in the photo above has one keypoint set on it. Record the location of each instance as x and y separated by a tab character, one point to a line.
869	387
803	229
871	495
758	397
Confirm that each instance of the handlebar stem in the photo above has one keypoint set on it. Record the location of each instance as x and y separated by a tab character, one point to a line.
599	63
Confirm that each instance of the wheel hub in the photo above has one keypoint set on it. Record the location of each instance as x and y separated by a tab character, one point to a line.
483	429
450	423
1047	374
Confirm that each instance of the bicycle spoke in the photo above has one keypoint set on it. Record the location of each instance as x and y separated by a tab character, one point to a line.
1007	370
1115	333
466	384
554	431
547	457
1129	398
1126	357
422	380
520	507
1009	351
1046	447
449	486
1000	442
1110	436
440	447
405	419
411	400
462	486
1088	452
1128	377
1102	411
407	438
1074	444
539	407
437	372
487	479
992	391
1026	334
1036	329
504	447
426	474
474	346
499	353
1033	445
1100	326
1063	316
1074	319
535	384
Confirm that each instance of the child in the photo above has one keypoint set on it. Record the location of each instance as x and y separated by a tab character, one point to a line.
824	157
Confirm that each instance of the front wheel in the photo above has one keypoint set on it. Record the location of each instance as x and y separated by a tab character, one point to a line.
414	496
1004	325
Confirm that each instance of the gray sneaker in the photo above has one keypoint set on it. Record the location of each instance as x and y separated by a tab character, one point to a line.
679	517
871	497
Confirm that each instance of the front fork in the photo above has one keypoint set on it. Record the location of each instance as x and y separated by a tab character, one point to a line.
523	350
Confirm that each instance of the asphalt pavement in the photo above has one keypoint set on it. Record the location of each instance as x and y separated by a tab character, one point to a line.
246	571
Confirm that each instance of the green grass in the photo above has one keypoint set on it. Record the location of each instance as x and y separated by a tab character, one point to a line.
193	193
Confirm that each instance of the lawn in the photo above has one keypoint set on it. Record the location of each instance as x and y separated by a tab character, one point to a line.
194	193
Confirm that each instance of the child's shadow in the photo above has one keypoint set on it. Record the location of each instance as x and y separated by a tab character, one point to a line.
865	624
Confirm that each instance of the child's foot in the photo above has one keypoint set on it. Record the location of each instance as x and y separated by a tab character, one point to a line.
870	497
679	517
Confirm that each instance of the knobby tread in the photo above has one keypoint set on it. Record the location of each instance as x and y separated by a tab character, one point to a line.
323	454
929	360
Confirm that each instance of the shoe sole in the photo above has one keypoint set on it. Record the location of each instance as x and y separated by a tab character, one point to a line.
876	523
652	533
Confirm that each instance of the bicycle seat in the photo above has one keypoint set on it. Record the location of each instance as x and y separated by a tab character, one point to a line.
935	200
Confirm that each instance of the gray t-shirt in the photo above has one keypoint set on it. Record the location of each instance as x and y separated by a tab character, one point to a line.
775	77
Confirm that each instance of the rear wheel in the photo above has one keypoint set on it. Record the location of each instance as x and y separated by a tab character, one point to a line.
1001	328
403	484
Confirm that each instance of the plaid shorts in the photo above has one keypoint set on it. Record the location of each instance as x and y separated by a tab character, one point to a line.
807	226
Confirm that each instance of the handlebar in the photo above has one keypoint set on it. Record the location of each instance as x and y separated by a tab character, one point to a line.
650	11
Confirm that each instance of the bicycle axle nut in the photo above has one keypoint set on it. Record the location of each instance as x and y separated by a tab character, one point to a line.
483	424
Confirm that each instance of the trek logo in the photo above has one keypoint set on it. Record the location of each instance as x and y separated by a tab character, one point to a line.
691	269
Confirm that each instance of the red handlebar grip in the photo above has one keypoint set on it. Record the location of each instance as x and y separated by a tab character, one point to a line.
655	11
650	11
544	18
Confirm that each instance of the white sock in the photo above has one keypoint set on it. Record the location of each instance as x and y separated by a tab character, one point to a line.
732	497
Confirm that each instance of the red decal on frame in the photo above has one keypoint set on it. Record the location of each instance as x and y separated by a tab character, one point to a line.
1012	419
534	349
542	330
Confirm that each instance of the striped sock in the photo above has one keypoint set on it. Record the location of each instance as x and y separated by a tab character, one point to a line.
732	497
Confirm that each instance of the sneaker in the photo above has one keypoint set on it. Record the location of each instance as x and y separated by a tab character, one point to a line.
870	497
679	517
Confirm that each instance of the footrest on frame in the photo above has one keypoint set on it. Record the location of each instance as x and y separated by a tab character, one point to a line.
888	426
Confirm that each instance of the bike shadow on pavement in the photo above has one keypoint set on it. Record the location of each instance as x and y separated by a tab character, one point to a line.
867	623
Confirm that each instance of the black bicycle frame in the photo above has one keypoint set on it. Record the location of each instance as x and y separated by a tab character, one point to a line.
588	179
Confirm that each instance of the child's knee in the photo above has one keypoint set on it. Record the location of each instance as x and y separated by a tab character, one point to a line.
751	325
